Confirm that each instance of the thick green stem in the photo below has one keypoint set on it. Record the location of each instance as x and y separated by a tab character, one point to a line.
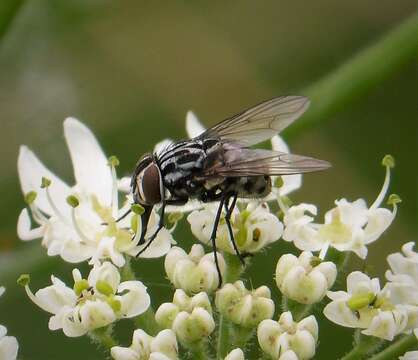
397	348
233	272
364	346
146	322
199	351
103	337
8	12
361	74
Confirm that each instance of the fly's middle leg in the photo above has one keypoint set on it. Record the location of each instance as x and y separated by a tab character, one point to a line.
229	210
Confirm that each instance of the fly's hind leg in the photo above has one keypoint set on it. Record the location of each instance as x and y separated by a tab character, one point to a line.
229	210
213	239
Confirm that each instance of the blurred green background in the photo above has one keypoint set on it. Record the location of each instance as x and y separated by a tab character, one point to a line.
131	70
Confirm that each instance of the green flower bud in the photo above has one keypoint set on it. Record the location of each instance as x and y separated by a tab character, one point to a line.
45	182
30	197
73	201
137	209
113	161
388	161
278	182
23	280
394	199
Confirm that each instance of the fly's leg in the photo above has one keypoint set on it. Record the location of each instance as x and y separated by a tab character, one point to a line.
213	239
152	238
229	210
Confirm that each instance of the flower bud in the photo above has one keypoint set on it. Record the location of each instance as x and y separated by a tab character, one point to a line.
303	279
193	272
243	307
236	354
287	339
189	317
194	326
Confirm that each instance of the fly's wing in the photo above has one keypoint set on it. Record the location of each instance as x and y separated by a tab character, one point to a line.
260	122
254	162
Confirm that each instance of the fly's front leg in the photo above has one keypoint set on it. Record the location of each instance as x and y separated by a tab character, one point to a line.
229	210
152	238
213	239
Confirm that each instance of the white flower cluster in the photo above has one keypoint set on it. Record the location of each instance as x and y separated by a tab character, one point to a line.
288	340
161	347
386	312
350	226
92	303
79	223
193	272
8	344
189	317
70	220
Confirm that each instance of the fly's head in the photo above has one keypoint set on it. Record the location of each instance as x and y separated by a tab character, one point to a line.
146	182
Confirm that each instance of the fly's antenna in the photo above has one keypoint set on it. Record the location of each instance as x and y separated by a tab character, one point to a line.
123	216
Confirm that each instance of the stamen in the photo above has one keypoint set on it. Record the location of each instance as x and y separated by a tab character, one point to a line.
282	205
54	208
137	236
113	162
389	163
77	228
323	251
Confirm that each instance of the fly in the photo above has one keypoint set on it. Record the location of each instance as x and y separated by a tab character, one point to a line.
219	165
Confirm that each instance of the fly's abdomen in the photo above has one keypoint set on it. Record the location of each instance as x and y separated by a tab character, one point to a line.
248	186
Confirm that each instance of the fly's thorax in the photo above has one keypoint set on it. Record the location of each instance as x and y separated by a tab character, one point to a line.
146	183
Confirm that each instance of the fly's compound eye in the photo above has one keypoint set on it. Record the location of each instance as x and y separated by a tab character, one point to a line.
148	185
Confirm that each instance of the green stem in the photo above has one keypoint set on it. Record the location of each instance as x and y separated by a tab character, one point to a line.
8	12
240	336
233	272
146	322
364	346
103	337
198	351
397	348
360	75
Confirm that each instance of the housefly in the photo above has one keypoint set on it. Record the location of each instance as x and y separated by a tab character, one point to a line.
219	165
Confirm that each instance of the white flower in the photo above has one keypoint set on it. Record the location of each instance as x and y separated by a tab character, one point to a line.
92	303
243	307
236	354
410	355
350	226
145	347
286	339
254	228
304	279
366	307
403	276
76	232
189	317
193	272
8	345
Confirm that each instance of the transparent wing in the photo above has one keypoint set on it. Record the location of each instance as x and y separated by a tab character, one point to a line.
253	162
260	122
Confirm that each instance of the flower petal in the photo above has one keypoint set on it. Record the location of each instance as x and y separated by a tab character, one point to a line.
159	247
193	126
162	145
24	231
8	345
91	169
31	170
136	300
